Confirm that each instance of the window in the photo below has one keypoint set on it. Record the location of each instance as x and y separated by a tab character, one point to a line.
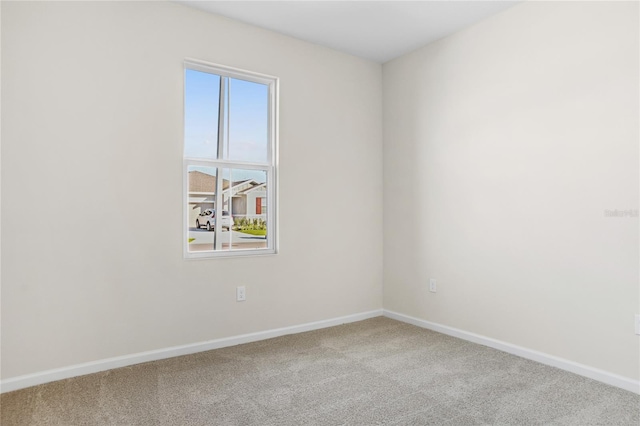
229	161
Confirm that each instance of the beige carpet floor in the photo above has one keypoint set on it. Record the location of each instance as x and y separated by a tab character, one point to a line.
377	371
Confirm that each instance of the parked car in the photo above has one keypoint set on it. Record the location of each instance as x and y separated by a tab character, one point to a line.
208	219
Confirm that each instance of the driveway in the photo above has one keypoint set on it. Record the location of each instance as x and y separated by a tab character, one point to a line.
203	240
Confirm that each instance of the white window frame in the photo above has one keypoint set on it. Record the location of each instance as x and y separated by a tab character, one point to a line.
270	167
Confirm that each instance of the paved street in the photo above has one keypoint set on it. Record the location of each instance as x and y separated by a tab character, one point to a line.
203	240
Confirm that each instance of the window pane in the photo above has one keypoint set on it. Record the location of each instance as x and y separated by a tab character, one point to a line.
248	208
248	121
244	209
202	187
202	97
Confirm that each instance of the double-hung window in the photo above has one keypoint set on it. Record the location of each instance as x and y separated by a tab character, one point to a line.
230	119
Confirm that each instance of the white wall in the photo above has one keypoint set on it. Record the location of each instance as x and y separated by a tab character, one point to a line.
503	146
92	134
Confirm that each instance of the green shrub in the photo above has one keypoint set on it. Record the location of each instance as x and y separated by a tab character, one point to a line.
244	224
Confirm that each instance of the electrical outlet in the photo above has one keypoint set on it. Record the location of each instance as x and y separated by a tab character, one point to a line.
433	286
241	294
638	324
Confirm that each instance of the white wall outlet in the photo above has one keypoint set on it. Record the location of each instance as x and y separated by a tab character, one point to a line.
241	294
433	286
638	324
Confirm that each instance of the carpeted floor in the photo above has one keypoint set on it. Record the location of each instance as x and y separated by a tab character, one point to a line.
377	371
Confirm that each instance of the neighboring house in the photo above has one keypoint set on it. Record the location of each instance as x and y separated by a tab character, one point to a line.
248	197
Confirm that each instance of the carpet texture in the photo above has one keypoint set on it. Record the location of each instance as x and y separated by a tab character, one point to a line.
377	371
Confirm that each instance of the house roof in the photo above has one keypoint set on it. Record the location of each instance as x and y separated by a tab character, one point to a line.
254	186
205	183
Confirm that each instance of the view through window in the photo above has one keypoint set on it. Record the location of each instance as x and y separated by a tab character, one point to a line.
229	161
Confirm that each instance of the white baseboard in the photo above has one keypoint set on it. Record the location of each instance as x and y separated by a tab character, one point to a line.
27	380
561	363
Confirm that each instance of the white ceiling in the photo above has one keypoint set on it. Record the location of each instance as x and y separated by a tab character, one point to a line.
376	30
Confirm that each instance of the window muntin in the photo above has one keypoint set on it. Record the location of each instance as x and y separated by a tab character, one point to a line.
240	115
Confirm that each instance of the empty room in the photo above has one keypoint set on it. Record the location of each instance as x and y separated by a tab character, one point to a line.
320	213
